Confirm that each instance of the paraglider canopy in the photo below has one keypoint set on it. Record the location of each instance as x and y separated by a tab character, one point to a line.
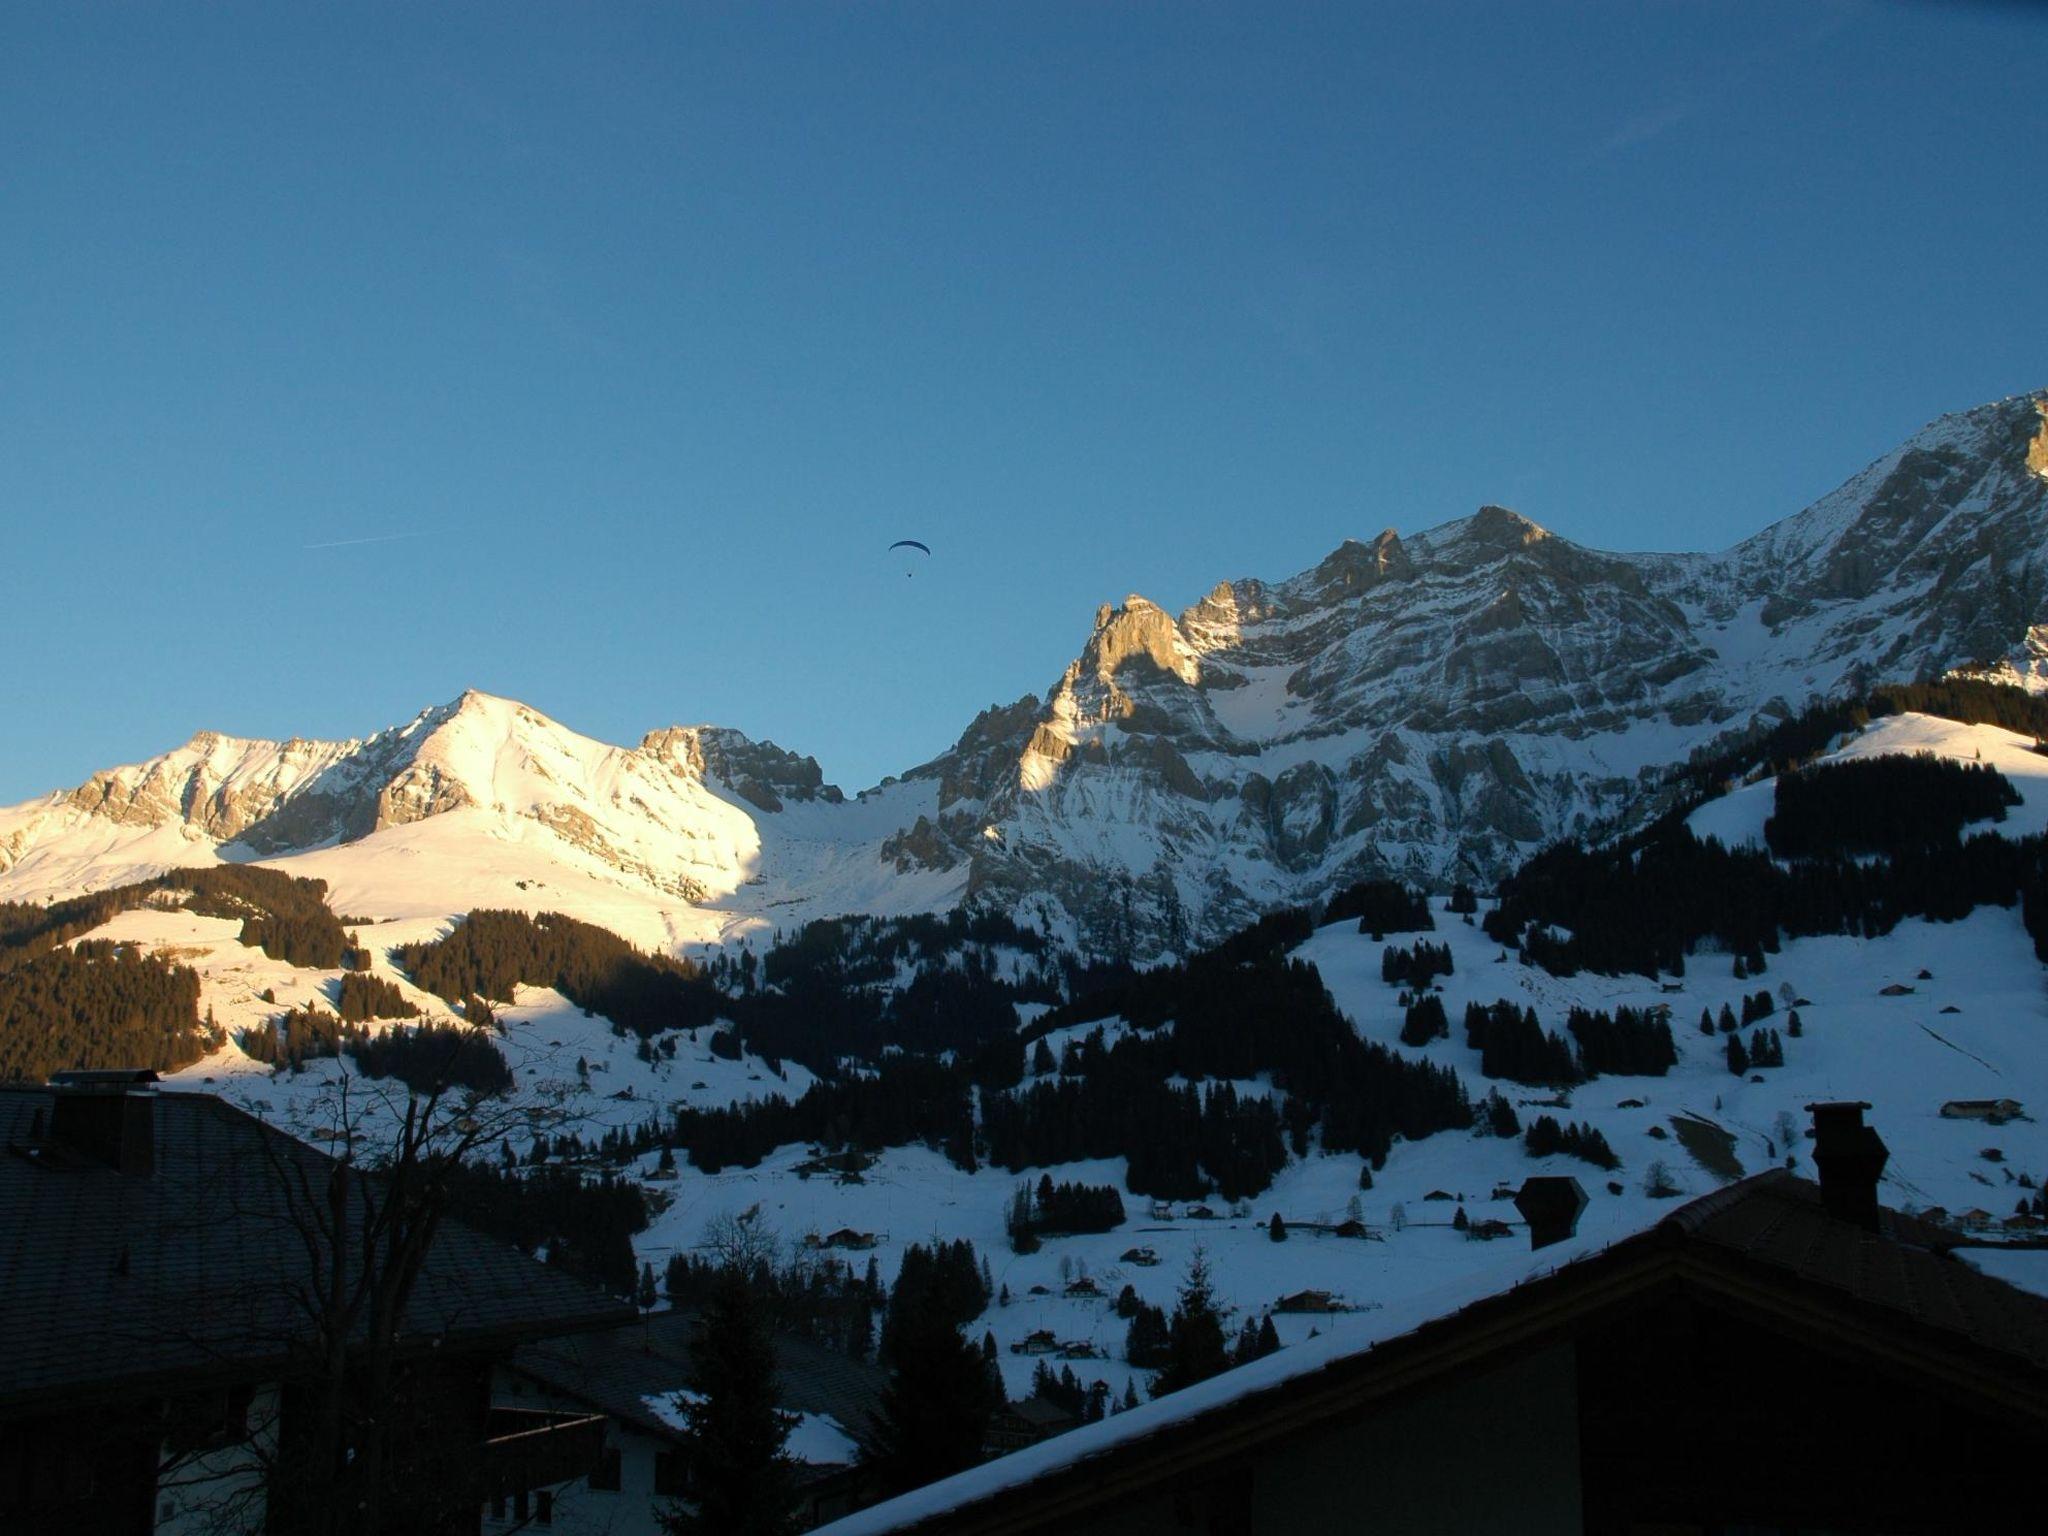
910	544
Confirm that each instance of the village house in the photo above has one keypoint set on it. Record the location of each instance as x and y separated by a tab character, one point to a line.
631	1375
1016	1425
1774	1356
1996	1111
1310	1302
158	1348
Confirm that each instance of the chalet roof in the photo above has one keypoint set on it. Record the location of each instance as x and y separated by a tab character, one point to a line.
1776	1222
111	1281
618	1369
1767	1240
1042	1413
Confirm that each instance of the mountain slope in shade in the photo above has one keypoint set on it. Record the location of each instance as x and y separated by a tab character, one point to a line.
1435	707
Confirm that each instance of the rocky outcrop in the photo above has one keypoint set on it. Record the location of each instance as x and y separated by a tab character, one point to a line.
759	772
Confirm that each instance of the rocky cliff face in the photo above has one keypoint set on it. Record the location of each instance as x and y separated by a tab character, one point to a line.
1438	707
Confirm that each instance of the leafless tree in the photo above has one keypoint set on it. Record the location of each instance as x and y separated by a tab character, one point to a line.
364	1434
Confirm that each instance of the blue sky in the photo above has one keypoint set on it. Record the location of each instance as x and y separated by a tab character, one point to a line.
634	334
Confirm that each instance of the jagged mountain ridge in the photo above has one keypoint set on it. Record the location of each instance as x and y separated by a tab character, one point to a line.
1435	706
1439	706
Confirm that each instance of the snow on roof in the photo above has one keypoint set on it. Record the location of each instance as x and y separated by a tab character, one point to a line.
1396	1317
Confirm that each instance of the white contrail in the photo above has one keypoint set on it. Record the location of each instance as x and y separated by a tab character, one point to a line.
375	538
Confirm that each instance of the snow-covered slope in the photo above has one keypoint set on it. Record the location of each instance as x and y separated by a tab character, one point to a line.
1974	1026
1903	1054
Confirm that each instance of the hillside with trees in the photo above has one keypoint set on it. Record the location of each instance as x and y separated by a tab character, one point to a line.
99	1005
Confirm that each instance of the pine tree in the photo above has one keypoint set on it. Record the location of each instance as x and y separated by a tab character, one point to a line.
936	1407
860	1338
1276	1229
1246	1349
743	1480
1738	1059
1195	1350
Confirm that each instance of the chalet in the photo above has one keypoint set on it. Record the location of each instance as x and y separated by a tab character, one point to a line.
1162	1210
1756	1359
1041	1341
1143	1257
1082	1286
1200	1213
1896	989
161	1266
1310	1302
632	1375
1996	1111
845	1237
1016	1425
846	1167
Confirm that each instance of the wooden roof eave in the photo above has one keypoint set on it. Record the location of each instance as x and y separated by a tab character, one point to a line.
1194	1450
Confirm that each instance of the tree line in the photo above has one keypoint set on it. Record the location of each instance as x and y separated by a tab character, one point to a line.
1645	905
99	1005
1883	805
422	1056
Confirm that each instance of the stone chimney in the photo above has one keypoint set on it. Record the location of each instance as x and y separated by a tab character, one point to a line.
107	1117
1551	1204
1851	1160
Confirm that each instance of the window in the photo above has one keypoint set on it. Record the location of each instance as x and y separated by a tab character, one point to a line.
605	1479
497	1506
519	1506
544	1507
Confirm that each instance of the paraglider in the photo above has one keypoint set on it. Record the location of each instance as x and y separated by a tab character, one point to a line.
910	544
